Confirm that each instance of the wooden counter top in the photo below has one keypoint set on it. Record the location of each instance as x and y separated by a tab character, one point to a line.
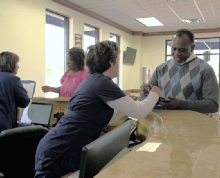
186	146
51	99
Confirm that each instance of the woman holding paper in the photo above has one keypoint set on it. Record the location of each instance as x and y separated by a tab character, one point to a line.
12	92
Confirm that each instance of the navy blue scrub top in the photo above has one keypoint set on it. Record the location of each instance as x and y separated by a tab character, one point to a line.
87	114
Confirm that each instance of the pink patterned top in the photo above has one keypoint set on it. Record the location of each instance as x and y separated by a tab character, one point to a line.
69	82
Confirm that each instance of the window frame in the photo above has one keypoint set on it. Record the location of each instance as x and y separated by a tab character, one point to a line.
66	32
117	37
57	20
96	30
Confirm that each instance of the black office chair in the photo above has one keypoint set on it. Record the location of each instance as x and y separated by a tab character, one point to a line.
17	150
100	152
1	175
97	154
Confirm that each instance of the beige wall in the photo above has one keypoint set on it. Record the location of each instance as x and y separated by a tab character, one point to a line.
23	31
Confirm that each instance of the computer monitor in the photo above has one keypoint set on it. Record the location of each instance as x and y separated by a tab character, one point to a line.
37	113
129	56
99	152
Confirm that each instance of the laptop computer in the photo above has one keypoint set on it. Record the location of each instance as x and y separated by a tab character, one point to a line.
29	86
36	114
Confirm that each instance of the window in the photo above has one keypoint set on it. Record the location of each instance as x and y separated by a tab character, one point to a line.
56	46
91	36
205	48
116	39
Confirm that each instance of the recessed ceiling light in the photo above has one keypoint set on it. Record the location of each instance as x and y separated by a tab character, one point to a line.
198	20
150	21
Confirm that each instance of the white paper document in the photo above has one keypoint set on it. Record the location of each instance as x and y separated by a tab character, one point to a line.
24	117
149	147
29	87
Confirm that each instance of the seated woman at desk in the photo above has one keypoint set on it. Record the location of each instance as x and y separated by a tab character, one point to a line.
96	101
75	74
12	93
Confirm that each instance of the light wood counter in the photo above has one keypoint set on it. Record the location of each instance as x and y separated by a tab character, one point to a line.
186	146
58	99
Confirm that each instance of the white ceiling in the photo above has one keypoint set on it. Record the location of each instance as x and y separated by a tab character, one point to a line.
122	13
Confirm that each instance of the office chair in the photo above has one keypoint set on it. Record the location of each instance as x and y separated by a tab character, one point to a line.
17	150
1	175
97	154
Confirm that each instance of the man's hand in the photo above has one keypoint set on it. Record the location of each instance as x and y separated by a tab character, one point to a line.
173	104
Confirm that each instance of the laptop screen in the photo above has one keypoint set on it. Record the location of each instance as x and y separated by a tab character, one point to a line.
37	113
29	86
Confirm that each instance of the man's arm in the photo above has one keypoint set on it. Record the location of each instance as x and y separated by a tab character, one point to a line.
154	79
210	94
209	102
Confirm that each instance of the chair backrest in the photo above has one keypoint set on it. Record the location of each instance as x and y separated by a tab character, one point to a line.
98	153
17	150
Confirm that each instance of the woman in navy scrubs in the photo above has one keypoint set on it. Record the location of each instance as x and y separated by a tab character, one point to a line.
96	102
12	92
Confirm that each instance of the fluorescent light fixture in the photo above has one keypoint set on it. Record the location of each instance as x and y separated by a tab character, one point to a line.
150	21
198	20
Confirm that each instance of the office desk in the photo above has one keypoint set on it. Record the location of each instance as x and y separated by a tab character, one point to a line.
186	146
